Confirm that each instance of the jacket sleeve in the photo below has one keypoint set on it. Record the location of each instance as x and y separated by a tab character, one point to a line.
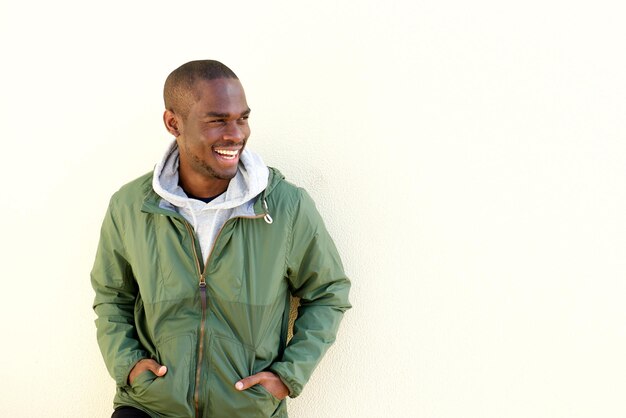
116	292
316	275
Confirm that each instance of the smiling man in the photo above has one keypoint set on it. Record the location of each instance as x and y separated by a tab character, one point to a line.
196	264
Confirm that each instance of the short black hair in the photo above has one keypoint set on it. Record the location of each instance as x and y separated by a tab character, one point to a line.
178	88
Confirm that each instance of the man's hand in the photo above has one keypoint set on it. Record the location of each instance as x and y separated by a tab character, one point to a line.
268	380
143	365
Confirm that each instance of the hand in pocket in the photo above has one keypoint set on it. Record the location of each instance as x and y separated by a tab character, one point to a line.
145	365
268	380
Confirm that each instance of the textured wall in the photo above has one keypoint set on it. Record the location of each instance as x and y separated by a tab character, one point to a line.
468	157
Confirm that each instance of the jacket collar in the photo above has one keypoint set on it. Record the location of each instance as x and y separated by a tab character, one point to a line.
151	201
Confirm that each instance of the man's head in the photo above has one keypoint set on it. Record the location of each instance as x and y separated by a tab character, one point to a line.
179	92
207	112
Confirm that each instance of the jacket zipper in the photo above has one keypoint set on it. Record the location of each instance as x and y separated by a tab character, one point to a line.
203	298
202	286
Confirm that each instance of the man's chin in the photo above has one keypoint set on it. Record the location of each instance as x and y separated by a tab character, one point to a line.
225	175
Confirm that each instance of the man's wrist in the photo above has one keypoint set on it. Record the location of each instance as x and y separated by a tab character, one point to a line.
123	381
287	384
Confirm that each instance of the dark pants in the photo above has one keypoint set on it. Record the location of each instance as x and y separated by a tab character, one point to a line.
129	412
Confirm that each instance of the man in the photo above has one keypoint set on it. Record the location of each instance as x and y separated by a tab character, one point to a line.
196	264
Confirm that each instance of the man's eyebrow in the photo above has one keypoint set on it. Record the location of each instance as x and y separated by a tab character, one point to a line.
225	115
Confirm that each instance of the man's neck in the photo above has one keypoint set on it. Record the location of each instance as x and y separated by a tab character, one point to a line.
196	185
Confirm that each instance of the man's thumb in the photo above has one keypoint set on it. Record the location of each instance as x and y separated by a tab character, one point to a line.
248	382
157	369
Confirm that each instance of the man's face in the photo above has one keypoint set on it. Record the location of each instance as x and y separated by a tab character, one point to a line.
215	130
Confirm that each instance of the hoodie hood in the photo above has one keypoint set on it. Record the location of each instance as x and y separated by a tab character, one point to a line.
250	180
208	218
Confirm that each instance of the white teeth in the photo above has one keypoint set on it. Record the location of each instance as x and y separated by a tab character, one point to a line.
227	153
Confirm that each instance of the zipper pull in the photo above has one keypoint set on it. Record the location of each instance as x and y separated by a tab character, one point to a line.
267	216
202	281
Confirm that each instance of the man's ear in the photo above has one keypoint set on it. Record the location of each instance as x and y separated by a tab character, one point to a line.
172	123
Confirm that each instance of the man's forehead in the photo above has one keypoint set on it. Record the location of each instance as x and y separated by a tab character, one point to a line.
222	97
219	88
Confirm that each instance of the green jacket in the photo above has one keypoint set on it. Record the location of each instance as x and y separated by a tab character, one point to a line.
214	323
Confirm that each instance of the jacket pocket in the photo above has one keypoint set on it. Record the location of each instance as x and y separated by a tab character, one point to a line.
169	395
230	362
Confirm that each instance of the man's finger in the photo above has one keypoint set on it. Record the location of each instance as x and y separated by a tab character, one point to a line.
248	382
156	368
160	371
144	365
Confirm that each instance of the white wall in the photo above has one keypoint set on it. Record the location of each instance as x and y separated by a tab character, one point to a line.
469	158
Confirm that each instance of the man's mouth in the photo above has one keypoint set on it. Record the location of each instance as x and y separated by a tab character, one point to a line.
226	153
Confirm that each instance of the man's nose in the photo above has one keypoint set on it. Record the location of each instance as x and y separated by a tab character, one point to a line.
234	132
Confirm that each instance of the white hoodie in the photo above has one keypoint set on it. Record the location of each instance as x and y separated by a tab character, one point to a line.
208	218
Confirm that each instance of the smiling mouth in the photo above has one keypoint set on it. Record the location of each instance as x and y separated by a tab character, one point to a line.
227	154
